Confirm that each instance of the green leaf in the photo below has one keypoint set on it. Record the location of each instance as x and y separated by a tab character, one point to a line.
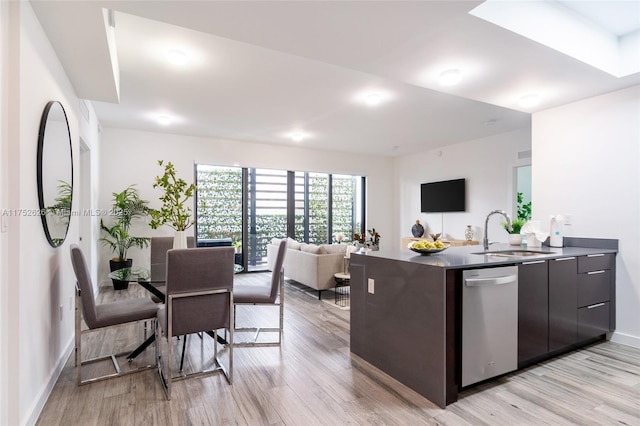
176	192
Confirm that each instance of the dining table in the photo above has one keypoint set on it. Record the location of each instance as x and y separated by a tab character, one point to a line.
150	277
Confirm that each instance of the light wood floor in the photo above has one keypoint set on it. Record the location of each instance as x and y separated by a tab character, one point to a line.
314	380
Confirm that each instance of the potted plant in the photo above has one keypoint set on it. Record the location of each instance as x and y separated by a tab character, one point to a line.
359	240
127	206
238	256
362	241
523	213
374	238
514	233
173	212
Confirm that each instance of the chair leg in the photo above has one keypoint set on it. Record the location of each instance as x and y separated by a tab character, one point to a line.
78	338
230	372
184	349
281	309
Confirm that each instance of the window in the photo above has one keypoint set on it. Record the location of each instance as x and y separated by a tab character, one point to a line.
219	202
252	206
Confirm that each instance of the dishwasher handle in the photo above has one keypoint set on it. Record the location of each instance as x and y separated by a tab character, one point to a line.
480	282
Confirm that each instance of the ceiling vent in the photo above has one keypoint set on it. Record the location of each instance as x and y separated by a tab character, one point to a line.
524	154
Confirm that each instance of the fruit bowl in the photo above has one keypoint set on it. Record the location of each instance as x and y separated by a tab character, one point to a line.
428	251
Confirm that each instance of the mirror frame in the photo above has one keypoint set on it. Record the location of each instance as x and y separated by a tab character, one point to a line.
40	176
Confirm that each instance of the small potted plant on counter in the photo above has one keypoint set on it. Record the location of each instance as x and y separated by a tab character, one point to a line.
127	206
515	238
523	215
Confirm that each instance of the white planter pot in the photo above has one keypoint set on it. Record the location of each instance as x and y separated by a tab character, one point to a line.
515	239
180	240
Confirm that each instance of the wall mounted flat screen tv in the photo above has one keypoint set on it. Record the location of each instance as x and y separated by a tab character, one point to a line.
444	196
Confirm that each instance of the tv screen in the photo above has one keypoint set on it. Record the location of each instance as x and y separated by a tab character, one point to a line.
444	196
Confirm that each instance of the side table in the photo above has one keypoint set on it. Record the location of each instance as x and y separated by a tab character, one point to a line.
343	289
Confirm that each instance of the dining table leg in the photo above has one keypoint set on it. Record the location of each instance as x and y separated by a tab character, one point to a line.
137	351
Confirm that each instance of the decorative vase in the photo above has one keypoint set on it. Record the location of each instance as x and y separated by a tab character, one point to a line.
515	239
180	240
417	230
468	233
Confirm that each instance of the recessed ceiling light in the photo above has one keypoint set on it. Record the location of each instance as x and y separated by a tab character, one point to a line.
450	77
297	136
164	120
373	99
529	101
177	57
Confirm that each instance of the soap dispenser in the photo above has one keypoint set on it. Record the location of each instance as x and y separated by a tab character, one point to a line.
556	228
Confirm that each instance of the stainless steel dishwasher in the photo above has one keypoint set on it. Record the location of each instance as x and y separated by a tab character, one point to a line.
489	323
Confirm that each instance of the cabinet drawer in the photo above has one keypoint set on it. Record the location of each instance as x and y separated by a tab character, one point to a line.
594	287
594	262
593	321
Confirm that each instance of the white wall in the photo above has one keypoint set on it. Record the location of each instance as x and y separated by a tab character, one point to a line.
87	157
4	141
586	157
130	157
487	164
41	277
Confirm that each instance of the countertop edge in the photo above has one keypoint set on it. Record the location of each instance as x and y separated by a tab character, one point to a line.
464	257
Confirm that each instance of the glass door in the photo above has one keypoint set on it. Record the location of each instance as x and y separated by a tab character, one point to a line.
266	213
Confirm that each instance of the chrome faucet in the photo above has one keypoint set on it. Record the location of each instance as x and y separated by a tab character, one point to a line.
486	226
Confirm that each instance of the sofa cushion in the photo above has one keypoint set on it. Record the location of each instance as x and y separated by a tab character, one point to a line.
334	248
313	249
276	241
293	244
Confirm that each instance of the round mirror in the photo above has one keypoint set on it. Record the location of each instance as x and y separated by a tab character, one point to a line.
55	173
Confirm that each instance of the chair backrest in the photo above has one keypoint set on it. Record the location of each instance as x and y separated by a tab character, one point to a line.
86	287
199	269
160	245
278	270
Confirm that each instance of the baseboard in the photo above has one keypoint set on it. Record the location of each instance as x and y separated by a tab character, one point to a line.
36	408
626	339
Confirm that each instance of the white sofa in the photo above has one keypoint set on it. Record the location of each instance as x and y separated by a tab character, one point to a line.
309	264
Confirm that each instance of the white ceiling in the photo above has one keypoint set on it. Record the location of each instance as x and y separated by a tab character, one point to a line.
260	70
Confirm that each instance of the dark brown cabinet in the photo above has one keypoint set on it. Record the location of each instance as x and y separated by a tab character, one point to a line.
593	320
533	310
563	302
595	294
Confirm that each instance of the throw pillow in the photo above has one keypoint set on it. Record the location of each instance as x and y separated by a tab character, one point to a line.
293	244
312	248
335	248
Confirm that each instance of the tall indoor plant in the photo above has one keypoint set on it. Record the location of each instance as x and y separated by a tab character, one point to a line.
174	213
127	206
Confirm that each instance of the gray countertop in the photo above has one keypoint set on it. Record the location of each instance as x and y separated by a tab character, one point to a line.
464	257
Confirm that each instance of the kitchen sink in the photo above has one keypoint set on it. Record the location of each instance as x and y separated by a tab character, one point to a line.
514	253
